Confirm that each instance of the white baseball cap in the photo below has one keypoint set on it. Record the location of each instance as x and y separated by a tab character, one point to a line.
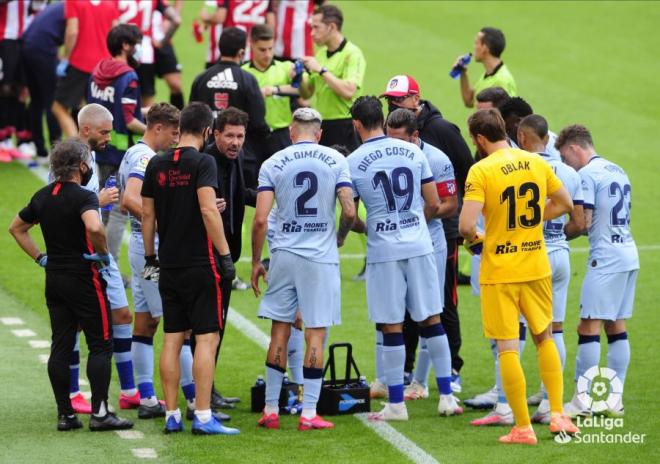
400	86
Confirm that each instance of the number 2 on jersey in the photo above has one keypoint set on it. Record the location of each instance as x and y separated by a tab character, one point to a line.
621	193
306	179
509	197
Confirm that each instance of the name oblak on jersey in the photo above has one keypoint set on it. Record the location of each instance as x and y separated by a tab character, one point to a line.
508	168
378	154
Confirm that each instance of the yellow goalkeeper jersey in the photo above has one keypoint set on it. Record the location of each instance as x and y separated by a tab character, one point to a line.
512	185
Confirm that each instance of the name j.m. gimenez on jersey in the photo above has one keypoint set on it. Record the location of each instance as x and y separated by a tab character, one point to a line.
305	154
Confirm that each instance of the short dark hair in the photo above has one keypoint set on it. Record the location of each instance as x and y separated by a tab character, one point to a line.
494	40
163	113
261	32
231	117
488	123
195	118
120	35
495	95
515	106
66	156
402	118
536	123
331	14
574	134
231	41
369	111
342	149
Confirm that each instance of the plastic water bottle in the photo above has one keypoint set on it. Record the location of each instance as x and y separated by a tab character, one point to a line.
363	382
111	182
285	380
462	63
260	381
298	67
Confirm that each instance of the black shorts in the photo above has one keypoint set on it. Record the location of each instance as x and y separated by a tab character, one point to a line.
166	62
72	88
192	299
10	62
147	75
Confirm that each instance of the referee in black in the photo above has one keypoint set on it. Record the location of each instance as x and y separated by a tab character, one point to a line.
178	194
75	291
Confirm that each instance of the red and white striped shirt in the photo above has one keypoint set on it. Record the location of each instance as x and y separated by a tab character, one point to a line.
14	19
140	13
293	34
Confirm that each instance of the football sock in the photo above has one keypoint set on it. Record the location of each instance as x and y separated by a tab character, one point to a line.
203	415
438	348
102	410
618	354
394	358
176	413
380	373
588	354
142	351
74	368
423	363
522	338
513	381
296	354
122	337
551	373
501	396
274	376
313	378
186	379
558	337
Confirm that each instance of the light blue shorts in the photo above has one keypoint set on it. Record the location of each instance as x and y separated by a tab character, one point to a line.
409	284
608	297
115	286
474	275
296	283
146	298
560	263
441	264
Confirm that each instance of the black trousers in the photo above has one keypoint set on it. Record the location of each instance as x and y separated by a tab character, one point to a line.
339	132
449	316
78	300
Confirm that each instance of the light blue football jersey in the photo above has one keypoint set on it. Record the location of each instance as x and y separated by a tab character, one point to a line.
387	176
134	164
550	149
443	175
607	191
305	178
553	231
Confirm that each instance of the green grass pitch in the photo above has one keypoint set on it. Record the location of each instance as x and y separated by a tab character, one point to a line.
589	62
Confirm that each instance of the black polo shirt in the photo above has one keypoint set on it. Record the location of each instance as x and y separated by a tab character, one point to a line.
172	180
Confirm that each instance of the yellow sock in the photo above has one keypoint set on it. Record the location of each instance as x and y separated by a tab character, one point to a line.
551	373
515	388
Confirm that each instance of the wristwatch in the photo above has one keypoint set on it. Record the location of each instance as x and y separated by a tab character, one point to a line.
323	71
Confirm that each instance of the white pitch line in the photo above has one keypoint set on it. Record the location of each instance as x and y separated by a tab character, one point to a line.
399	441
144	453
39	343
22	333
11	321
43	358
382	429
130	434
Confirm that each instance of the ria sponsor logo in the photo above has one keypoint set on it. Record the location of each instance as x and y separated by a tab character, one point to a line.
506	248
386	226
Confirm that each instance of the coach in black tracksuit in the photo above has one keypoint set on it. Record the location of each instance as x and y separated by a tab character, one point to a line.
75	290
225	84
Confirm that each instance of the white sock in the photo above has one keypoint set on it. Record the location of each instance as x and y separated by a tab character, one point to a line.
268	410
151	401
203	415
191	404
308	413
102	410
176	413
397	407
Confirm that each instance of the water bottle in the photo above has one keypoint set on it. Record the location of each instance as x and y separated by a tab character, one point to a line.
363	382
260	381
298	67
460	67
285	380
111	182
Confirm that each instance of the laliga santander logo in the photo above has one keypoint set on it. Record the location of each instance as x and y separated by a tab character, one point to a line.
599	389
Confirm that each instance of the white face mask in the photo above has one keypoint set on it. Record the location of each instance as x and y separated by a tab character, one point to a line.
137	54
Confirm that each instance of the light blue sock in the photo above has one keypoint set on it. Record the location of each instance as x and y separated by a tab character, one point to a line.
296	354
122	338
438	348
501	397
274	376
313	378
380	372
142	352
394	358
618	354
558	336
74	367
588	354
423	363
186	379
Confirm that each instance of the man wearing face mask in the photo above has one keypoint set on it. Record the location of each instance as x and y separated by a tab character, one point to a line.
403	92
227	149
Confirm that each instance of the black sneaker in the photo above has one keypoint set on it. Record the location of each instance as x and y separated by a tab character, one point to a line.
221	416
108	422
66	423
151	412
219	402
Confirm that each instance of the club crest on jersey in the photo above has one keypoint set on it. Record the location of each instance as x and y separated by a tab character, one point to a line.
162	179
221	100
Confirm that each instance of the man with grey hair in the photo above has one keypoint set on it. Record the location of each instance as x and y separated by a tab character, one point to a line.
74	235
305	179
